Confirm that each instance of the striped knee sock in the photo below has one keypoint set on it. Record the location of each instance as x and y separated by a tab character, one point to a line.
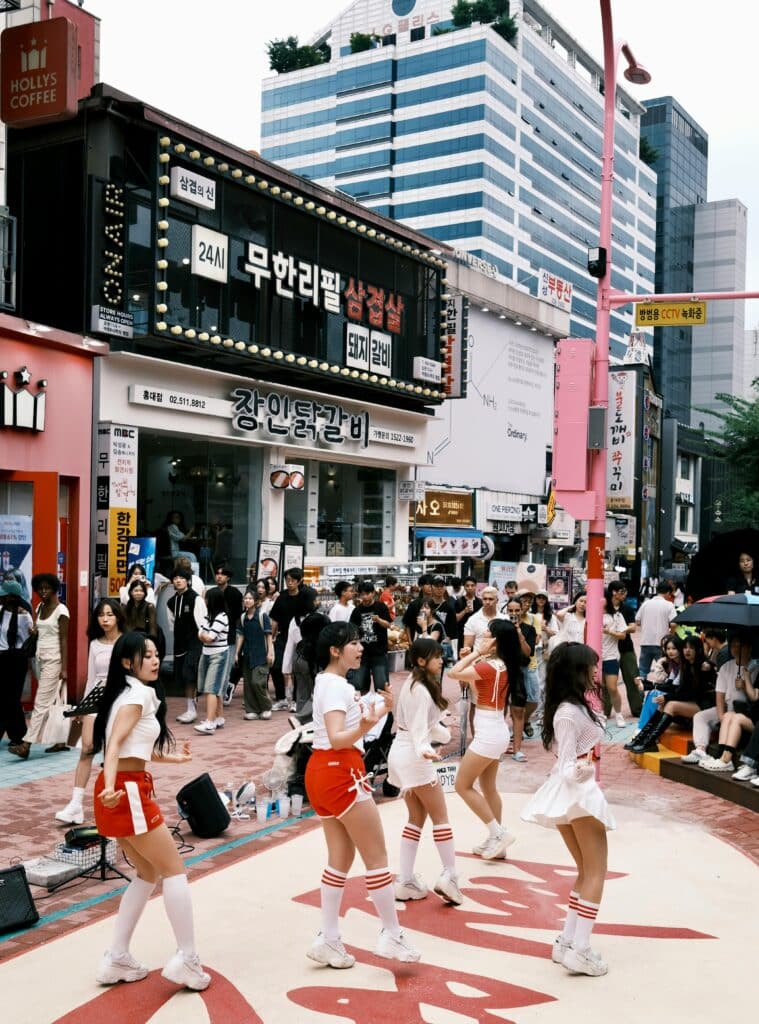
586	917
571	919
409	845
333	883
379	882
443	836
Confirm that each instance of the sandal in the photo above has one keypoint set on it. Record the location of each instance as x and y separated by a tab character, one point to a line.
56	748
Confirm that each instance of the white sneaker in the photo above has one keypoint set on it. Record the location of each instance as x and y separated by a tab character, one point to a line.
219	722
266	715
619	720
251	716
413	889
119	968
279	705
584	961
718	765
72	814
497	846
744	774
396	948
696	756
755	782
447	888
206	727
186	971
330	953
187	717
560	947
481	847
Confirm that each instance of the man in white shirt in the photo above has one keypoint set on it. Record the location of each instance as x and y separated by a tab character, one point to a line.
342	609
478	625
654	618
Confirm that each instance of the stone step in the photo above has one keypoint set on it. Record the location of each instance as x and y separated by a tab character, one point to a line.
716	783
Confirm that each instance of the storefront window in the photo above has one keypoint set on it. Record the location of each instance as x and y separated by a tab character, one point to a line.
214	487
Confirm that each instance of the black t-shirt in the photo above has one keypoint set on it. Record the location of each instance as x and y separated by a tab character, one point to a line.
411	615
738	585
626	645
445	613
372	636
459	606
530	635
282	612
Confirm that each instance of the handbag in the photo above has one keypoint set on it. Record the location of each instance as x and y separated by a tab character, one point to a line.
57	726
648	708
29	646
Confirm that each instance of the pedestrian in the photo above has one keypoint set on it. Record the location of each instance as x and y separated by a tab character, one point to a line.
342	609
137	572
52	629
530	675
628	660
387	594
654	618
341	796
254	654
233	605
131	728
614	630
16	629
141	615
281	614
744	581
186	611
571	799
372	618
572	619
477	627
466	605
488	673
411	614
212	667
106	625
523	697
410	767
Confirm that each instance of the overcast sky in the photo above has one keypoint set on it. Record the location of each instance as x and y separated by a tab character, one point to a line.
203	61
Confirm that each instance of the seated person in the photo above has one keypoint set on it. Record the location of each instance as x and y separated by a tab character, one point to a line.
675	696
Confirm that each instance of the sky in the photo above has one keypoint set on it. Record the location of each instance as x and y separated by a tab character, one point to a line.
204	61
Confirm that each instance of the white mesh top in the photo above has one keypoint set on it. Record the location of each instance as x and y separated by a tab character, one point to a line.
575	733
417	714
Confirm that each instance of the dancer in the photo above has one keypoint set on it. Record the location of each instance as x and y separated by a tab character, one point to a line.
340	794
410	768
106	625
571	799
488	674
131	725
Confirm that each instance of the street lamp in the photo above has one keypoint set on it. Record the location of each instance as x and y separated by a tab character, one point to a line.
599	265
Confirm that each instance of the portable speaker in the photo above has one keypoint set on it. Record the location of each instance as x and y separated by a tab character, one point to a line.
17	909
203	808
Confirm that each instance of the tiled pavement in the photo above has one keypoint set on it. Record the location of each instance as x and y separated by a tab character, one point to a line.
32	791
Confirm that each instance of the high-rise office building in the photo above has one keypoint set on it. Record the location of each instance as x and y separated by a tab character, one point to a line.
489	145
682	149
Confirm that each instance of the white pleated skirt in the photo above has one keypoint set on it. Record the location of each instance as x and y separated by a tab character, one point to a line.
559	802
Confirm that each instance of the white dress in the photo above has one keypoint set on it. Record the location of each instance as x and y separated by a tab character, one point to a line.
417	718
566	795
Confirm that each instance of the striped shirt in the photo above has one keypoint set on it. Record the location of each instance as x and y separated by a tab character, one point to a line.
218	628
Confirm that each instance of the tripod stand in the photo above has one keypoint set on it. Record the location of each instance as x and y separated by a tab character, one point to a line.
101	865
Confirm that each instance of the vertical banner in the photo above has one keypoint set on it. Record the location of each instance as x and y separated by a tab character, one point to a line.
268	559
16	552
292	558
621	441
141	551
116	503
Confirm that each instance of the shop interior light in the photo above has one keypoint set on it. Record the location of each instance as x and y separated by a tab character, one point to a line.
446	296
185	261
331	215
372	232
382	236
321	210
517	323
324	366
313	363
334	369
418	389
263	184
310	205
392	382
342	219
298	200
289	358
194	154
345	371
223	167
361	228
383	381
176	329
250	179
236	173
427	392
534	329
162	286
279	355
164	179
164	141
287	195
302	360
351	223
180	147
485	309
364	375
163	158
373	378
502	316
136	297
275	190
253	349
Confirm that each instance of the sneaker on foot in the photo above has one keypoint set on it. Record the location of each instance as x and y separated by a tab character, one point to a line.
292	707
716	764
560	947
119	968
478	849
331	953
219	722
584	961
396	948
744	774
186	971
519	756
251	716
528	730
279	705
72	814
447	888
619	720
206	727
755	781
496	846
412	889
696	756
229	690
266	715
187	717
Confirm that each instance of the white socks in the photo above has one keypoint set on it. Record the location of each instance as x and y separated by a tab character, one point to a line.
494	829
409	845
77	797
379	882
333	883
443	836
570	923
586	917
176	899
133	902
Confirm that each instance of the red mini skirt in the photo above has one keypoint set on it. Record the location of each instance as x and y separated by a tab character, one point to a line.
335	780
136	812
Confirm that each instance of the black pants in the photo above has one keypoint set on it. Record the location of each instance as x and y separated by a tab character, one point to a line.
13	669
276	670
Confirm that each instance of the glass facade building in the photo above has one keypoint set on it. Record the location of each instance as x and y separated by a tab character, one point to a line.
491	147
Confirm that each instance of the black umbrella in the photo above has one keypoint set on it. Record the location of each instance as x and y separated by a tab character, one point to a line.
717	562
729	611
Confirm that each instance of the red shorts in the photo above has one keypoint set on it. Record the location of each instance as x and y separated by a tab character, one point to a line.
136	812
335	780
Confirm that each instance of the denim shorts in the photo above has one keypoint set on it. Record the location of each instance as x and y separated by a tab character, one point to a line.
212	672
531	685
610	667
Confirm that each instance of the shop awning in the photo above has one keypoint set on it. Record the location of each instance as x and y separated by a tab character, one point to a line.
446	531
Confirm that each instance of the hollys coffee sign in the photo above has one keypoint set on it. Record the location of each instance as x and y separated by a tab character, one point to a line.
38	72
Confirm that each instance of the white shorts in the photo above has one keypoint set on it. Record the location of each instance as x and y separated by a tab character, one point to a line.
405	769
491	734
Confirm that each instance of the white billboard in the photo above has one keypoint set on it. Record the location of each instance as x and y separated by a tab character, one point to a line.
497	436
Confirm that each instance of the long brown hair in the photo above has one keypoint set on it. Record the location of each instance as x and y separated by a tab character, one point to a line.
423	649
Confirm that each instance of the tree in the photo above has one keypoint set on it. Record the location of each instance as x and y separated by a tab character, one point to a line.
461	14
647	153
286	55
506	28
737	443
360	41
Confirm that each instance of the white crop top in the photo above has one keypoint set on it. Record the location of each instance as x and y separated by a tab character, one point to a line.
142	738
334	693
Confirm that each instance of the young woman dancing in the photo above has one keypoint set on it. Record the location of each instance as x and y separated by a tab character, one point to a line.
488	674
131	723
340	794
571	799
410	768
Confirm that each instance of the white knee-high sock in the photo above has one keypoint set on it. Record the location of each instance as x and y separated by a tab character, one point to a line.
333	884
77	797
409	845
176	899
379	882
586	918
133	902
570	922
443	836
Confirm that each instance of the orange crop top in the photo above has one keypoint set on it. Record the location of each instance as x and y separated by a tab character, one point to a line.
491	686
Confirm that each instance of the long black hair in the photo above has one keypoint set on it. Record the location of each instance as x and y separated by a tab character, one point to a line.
422	649
131	647
215	603
336	634
568	678
507	647
94	629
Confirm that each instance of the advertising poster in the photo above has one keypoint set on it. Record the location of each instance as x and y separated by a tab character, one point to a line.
500	574
531	576
141	551
559	585
292	558
268	559
16	552
122	524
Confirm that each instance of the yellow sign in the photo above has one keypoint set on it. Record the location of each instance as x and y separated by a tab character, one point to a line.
670	314
123	524
551	508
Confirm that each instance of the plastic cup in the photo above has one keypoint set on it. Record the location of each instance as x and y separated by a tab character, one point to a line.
262	811
284	807
296	803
